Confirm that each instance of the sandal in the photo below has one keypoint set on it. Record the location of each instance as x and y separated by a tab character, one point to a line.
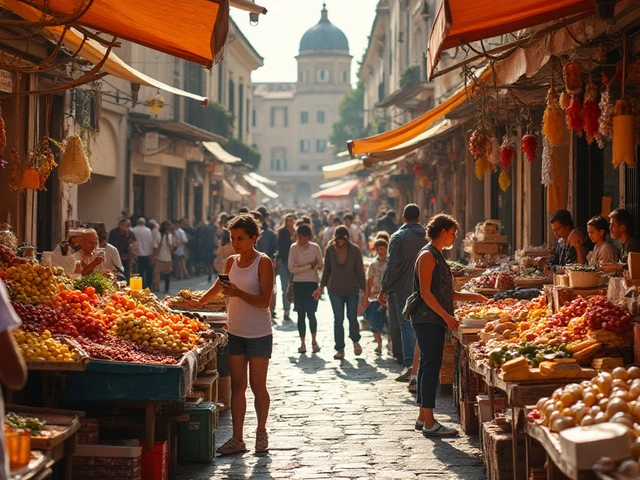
302	350
378	351
419	425
262	442
439	430
357	349
339	355
232	446
315	348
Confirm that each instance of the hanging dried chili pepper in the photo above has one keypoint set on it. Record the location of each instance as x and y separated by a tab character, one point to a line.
507	152
529	146
575	117
553	122
591	112
572	75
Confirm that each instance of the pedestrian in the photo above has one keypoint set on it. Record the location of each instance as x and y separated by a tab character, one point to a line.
179	259
434	281
144	245
112	260
397	284
387	223
343	275
13	369
305	261
208	245
248	285
621	224
375	312
355	233
268	243
122	238
225	249
286	237
162	253
327	233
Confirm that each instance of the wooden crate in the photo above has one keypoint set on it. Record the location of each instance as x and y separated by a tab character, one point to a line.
484	248
206	387
468	417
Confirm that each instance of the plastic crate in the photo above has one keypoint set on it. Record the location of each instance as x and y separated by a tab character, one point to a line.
155	462
106	462
197	437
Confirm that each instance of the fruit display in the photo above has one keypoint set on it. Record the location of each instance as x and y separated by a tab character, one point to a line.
609	397
493	279
31	283
43	347
149	299
118	349
7	256
577	329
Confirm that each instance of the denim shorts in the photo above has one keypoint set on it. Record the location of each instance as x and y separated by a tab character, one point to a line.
251	347
377	316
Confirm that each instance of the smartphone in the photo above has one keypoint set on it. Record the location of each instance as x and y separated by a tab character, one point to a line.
224	278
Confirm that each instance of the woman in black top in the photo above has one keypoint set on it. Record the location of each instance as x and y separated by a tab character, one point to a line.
286	237
435	315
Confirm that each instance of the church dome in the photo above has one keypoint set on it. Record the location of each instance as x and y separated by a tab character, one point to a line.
324	36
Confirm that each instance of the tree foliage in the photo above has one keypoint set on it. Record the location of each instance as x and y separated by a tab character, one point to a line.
350	126
247	153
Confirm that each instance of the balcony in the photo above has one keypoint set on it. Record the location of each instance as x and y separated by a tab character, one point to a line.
215	119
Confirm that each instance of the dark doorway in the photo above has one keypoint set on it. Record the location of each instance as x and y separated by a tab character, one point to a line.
138	196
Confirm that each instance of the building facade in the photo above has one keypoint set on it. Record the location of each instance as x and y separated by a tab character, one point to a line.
292	122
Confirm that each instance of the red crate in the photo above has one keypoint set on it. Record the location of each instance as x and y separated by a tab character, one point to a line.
155	462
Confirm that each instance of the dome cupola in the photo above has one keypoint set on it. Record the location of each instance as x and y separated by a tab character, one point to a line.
324	37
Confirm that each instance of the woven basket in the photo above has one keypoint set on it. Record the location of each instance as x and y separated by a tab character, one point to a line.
584	279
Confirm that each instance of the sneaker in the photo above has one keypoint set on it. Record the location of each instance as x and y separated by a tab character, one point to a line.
413	385
405	376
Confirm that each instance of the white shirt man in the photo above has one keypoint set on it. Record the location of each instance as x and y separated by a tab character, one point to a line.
144	238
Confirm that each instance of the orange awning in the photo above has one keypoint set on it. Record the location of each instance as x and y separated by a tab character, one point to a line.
341	190
409	131
460	21
195	30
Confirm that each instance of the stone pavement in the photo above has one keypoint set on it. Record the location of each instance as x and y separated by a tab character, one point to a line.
337	419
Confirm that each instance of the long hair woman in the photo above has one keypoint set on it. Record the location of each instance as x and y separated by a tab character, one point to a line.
163	261
248	285
305	260
343	275
286	237
435	315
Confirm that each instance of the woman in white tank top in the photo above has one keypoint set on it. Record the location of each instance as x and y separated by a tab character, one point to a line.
247	280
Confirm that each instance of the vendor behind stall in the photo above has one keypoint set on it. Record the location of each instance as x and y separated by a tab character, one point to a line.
573	244
87	255
621	225
63	254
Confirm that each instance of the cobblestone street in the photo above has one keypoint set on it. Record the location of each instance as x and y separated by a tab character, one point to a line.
338	419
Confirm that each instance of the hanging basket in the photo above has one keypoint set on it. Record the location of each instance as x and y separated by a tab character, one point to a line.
31	179
74	165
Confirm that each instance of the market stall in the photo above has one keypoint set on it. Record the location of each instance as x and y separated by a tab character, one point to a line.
114	352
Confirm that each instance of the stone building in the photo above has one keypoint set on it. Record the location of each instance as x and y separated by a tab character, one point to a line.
292	121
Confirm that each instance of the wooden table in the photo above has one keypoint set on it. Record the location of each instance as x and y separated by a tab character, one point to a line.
463	392
518	396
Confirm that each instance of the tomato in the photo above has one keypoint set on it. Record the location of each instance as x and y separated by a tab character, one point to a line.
90	291
138	312
130	305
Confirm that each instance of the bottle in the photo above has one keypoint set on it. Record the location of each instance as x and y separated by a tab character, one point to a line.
135	283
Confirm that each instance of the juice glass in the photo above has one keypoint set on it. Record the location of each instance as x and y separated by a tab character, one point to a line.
19	448
135	283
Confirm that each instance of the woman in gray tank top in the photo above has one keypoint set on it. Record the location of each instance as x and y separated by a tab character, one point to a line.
434	281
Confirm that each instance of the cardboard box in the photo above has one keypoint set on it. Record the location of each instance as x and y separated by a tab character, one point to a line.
484	407
634	265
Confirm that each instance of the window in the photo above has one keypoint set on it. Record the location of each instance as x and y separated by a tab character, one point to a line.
304	117
240	110
273	117
304	167
322	76
344	77
275	164
321	146
286	116
278	158
254	118
320	116
279	116
305	146
232	97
